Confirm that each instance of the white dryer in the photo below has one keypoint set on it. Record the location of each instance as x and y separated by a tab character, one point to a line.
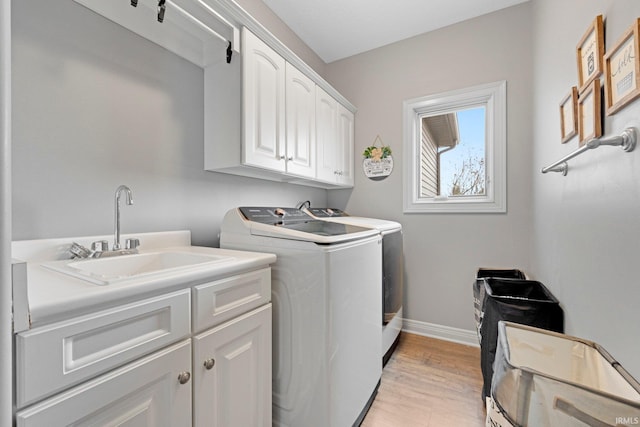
392	269
326	336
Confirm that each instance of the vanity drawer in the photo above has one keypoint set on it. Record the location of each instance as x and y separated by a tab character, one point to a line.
219	301
54	357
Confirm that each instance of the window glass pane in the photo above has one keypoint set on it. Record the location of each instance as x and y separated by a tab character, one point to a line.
462	167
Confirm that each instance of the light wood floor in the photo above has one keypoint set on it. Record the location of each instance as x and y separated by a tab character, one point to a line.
429	383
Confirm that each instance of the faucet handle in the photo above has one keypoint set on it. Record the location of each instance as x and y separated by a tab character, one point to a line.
132	243
79	251
100	246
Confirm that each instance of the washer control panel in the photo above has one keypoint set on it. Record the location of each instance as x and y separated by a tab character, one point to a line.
269	215
327	212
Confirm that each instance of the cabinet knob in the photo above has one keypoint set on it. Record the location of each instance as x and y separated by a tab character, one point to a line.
281	157
289	159
208	364
184	377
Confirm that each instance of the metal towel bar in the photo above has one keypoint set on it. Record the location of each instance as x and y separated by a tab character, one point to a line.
626	140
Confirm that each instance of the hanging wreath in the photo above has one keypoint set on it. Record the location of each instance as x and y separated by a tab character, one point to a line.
377	163
377	153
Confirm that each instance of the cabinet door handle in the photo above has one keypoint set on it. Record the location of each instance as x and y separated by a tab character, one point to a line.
209	363
184	377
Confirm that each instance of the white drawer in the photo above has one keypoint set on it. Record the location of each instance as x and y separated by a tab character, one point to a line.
56	356
219	301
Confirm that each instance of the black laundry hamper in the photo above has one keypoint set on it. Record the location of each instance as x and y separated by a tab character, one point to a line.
478	288
527	302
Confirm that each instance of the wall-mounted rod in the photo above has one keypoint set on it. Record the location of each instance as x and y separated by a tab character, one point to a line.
197	22
216	14
626	140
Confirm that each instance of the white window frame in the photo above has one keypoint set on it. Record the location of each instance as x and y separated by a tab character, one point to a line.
492	96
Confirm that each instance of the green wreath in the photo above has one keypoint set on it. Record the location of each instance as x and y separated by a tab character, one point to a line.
377	153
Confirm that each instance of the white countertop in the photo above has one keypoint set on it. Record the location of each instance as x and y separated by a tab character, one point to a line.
52	296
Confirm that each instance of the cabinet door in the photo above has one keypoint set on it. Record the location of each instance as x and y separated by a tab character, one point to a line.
326	134
145	393
301	123
232	372
345	141
263	77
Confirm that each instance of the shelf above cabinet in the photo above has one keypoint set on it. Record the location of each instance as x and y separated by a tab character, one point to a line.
190	28
207	33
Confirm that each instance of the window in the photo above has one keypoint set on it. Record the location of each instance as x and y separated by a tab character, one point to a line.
455	151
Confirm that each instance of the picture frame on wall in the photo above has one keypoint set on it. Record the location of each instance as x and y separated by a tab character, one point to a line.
589	53
589	113
622	70
568	115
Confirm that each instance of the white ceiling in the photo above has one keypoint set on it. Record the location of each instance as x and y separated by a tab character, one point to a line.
337	29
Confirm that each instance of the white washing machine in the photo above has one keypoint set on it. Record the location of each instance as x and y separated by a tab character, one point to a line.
392	269
326	336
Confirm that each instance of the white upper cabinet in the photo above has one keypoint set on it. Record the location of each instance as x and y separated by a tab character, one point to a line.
285	128
346	141
335	139
301	123
263	106
326	135
279	111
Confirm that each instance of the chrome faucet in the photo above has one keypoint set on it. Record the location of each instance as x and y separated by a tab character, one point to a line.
129	201
100	248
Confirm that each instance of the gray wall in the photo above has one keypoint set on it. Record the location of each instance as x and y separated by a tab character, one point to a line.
586	238
95	106
444	251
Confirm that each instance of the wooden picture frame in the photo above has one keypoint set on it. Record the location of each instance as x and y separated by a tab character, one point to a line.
590	113
589	53
622	70
569	115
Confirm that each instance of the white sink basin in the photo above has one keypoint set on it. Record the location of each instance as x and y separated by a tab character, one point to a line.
104	271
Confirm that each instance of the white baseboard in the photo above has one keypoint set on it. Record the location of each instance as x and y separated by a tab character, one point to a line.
446	333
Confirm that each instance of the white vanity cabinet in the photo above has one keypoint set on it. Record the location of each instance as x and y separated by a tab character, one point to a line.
335	140
84	347
232	372
232	351
198	356
153	391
